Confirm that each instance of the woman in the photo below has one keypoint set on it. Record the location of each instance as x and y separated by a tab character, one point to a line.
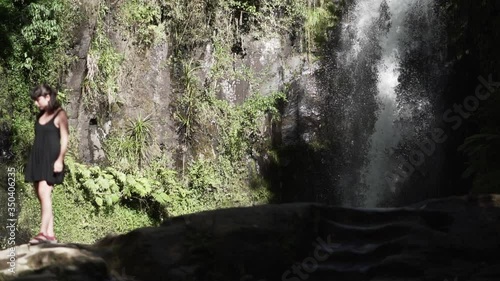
45	167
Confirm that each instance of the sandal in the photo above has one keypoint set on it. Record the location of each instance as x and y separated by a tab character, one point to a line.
51	239
42	238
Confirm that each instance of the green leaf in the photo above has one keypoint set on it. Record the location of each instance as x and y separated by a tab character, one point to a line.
103	183
109	200
131	181
161	198
139	189
114	187
85	172
115	198
121	176
98	200
90	184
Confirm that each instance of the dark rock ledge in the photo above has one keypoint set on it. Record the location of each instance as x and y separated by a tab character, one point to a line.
456	238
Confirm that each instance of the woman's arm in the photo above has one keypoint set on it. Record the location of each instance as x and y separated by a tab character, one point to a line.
62	121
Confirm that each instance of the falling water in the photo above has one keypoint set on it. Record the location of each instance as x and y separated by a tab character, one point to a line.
378	113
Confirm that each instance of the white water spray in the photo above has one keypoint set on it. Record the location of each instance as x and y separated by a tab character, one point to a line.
379	25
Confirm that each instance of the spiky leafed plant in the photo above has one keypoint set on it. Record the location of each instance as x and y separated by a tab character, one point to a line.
139	131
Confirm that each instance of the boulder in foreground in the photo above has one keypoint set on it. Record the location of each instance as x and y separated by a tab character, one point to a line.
455	238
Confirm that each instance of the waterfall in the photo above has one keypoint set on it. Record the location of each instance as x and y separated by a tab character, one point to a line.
384	67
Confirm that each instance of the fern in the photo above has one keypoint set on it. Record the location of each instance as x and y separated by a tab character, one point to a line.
483	152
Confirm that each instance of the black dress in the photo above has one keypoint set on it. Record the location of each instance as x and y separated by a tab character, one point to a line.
44	153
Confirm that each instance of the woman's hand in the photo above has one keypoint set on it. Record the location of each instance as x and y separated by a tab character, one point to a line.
58	166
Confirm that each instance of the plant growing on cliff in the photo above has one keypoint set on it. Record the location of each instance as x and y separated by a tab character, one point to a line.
320	18
188	23
242	131
143	20
129	147
140	133
188	103
220	138
100	85
226	136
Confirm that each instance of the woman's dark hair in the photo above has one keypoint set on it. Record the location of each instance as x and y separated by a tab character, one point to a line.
44	90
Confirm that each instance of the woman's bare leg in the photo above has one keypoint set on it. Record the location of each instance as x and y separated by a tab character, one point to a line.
44	192
50	228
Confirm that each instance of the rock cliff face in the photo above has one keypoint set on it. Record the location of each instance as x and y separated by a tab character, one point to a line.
147	84
78	118
449	239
